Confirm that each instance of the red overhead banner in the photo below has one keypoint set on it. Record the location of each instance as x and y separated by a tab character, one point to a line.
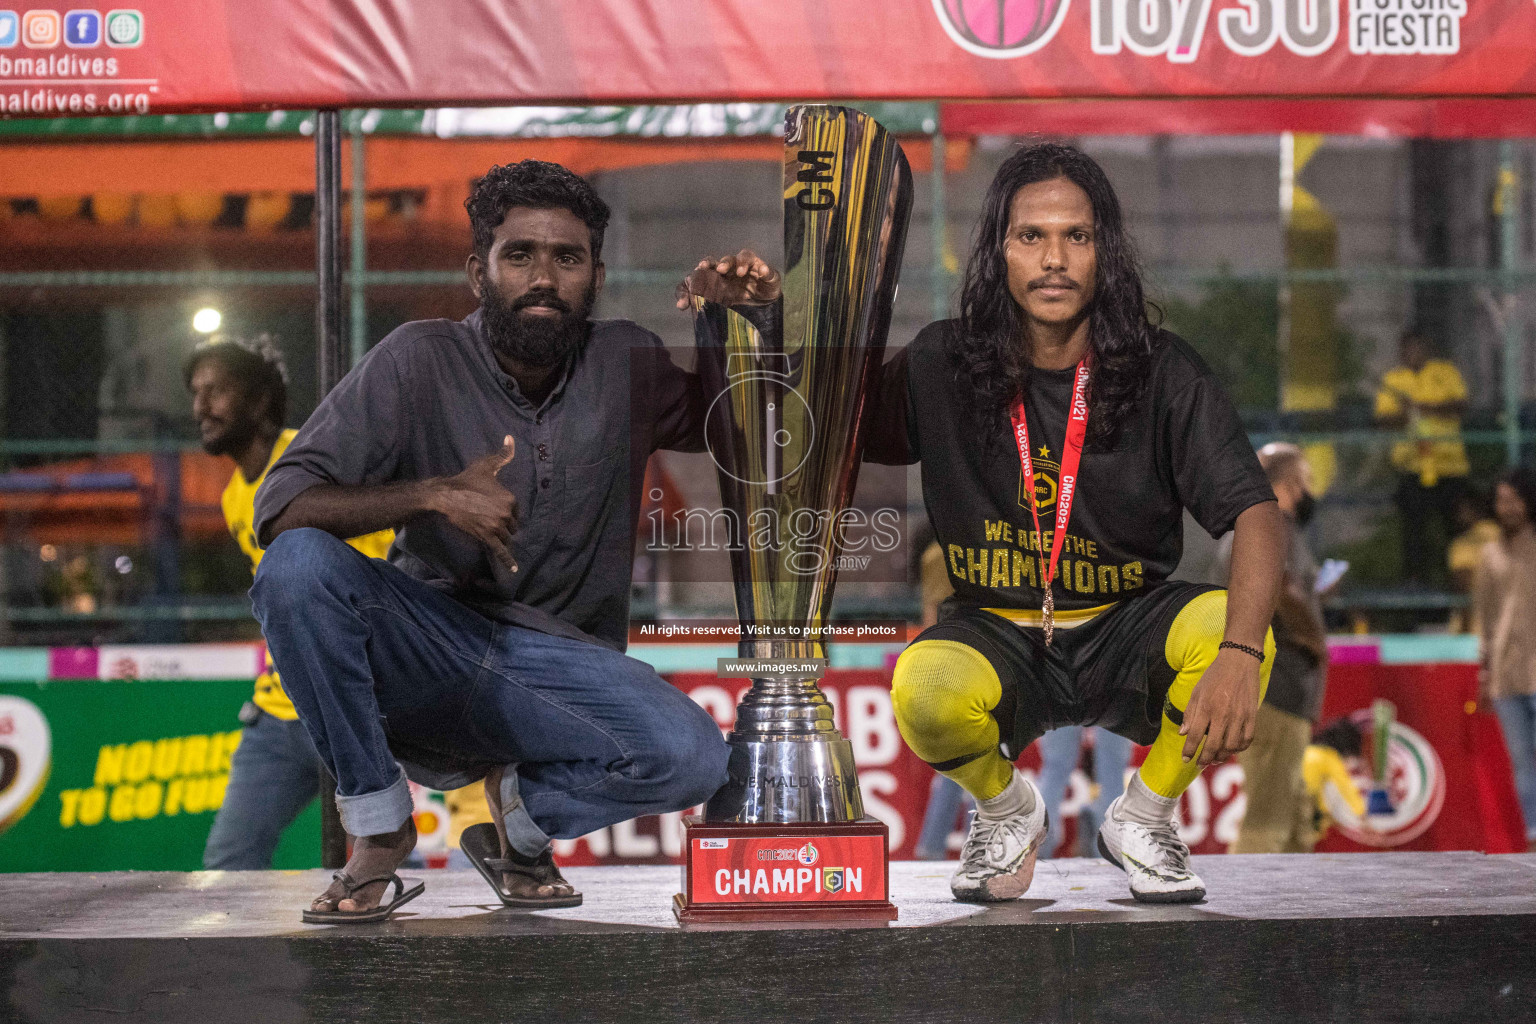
1372	118
169	56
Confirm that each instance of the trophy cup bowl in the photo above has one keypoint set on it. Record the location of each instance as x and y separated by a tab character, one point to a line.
785	429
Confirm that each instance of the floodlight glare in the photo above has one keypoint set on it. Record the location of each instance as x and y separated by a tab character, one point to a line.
207	320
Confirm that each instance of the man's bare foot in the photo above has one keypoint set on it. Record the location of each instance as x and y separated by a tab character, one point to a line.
539	877
372	857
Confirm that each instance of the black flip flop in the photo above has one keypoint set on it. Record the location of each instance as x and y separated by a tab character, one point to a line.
482	846
378	913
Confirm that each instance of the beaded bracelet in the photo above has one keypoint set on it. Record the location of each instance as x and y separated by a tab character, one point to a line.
1253	651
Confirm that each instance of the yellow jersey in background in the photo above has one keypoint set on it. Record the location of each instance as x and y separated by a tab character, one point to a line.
239	504
1438	451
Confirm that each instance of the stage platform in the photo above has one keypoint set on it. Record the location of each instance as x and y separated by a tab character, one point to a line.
1349	938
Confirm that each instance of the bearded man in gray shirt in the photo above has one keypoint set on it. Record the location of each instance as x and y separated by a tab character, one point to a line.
508	451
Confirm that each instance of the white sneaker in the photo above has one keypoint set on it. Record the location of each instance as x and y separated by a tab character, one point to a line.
998	859
1154	857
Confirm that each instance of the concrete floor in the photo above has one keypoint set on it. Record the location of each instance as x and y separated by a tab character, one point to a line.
215	904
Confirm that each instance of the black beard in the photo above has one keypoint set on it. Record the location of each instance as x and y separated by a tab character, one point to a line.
535	341
236	438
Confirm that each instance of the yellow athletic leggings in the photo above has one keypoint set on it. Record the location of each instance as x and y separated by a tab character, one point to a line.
944	692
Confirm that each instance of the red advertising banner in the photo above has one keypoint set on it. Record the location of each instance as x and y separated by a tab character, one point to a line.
1448	772
1449	775
1449	778
169	56
1373	118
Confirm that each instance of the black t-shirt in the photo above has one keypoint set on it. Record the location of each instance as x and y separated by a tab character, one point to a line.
1183	448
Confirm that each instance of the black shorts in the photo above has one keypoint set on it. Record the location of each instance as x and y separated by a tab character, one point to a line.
1111	671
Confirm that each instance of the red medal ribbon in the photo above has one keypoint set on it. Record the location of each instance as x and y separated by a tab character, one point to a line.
1071	455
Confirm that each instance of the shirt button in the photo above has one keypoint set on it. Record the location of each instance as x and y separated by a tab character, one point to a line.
538	419
544	484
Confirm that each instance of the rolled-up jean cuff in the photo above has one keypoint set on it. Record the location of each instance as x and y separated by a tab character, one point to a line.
526	837
373	814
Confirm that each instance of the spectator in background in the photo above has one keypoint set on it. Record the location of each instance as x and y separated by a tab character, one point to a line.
239	392
1425	397
1279	817
1478	530
1504	603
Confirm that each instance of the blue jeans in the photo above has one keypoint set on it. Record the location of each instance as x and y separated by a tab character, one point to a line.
1059	753
392	677
273	776
1517	716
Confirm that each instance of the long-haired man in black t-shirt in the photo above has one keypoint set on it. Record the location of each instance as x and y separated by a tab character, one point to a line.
1062	434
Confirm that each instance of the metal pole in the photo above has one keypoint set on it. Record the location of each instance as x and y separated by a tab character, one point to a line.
939	220
330	328
330	349
1509	255
167	542
1283	292
359	246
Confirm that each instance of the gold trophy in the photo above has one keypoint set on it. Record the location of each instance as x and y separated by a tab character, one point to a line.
787	837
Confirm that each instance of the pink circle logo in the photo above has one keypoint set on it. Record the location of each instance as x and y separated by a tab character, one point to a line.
1001	28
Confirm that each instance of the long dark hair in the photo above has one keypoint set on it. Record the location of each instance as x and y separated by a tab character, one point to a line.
992	347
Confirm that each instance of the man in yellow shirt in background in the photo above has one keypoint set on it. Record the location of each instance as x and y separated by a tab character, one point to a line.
1425	397
239	394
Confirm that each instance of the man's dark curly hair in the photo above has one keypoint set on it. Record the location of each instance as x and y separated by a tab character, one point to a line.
256	363
992	346
537	184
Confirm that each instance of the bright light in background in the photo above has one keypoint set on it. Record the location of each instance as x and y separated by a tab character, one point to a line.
207	320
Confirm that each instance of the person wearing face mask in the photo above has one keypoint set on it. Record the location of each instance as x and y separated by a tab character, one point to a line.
1279	817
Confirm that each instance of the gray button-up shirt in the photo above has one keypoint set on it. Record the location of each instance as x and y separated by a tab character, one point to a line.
431	398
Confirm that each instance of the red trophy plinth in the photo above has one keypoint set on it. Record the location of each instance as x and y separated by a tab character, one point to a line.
808	871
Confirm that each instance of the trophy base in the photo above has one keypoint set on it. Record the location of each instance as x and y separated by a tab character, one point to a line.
799	871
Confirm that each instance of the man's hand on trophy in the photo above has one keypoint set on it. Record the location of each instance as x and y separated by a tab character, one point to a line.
477	503
744	279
